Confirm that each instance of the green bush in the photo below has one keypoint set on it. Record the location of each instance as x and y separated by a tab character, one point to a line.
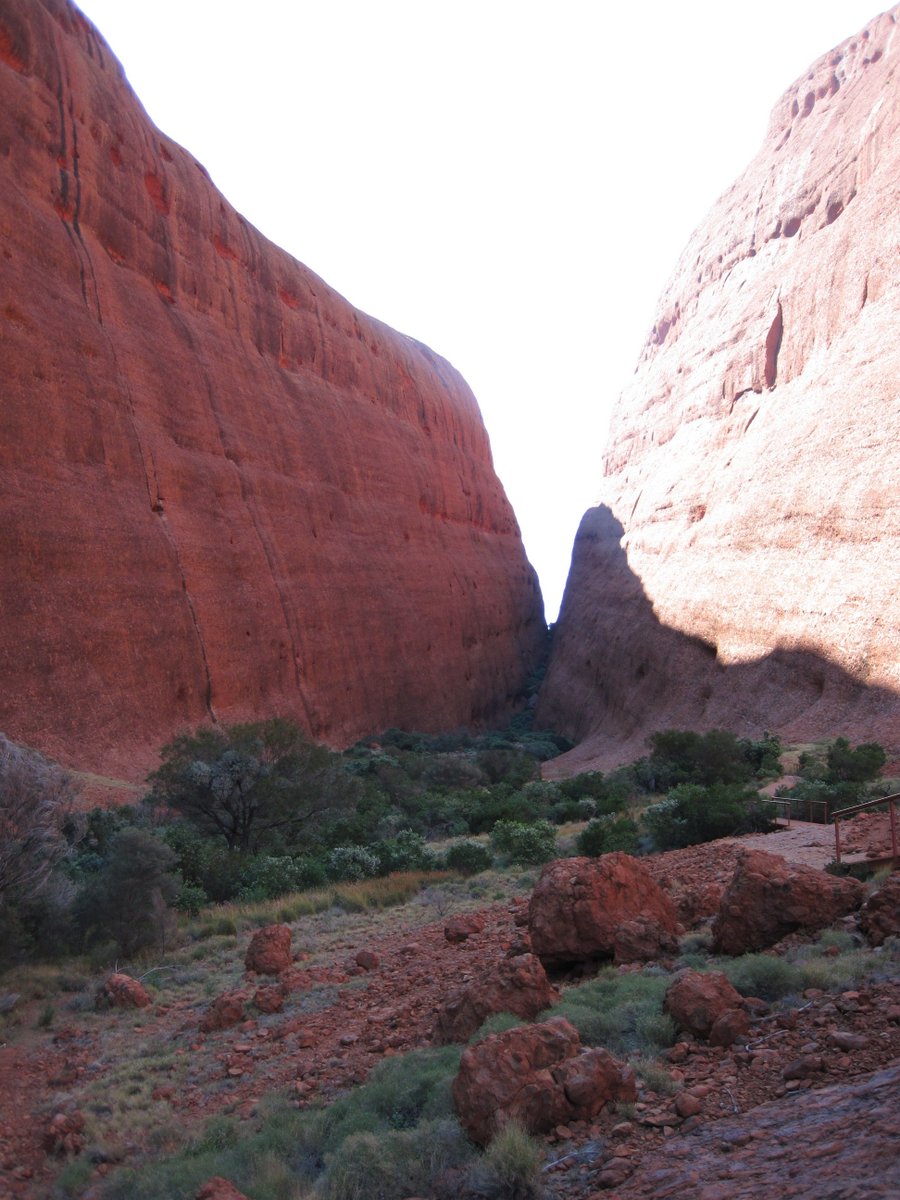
683	756
692	813
856	766
622	1012
405	852
603	835
524	844
128	901
268	876
468	858
347	863
510	1168
763	975
395	1164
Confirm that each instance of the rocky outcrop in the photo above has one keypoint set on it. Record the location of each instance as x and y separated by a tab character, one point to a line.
517	985
595	908
538	1076
734	574
226	493
769	898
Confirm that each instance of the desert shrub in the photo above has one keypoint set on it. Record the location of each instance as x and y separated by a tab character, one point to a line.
606	834
468	858
683	756
621	1012
127	902
859	765
405	852
395	1164
495	1023
190	899
692	813
506	764
763	754
763	975
510	1168
655	1076
351	863
524	844
268	876
447	771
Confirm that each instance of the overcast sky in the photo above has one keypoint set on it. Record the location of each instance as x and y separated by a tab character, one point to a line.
509	181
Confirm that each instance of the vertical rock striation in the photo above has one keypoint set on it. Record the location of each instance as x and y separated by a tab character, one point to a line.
742	571
224	492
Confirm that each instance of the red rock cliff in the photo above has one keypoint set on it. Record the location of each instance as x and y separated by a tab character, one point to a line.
225	493
742	572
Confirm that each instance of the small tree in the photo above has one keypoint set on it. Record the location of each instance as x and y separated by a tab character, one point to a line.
854	766
248	782
128	900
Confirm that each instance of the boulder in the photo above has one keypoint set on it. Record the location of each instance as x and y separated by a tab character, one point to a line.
460	929
607	907
696	1000
121	991
536	1075
269	952
218	1188
225	1011
769	898
367	960
516	985
64	1134
269	999
879	917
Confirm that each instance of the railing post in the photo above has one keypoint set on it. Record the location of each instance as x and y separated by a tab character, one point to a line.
837	840
893	831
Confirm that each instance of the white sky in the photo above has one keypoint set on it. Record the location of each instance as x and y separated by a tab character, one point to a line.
509	181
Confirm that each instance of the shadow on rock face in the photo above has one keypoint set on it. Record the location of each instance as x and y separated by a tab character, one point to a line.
617	674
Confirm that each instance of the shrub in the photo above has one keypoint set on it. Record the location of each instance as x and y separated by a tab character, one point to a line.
468	858
603	835
127	901
405	852
763	975
395	1164
352	863
510	1168
621	1012
683	756
524	844
692	813
268	876
857	766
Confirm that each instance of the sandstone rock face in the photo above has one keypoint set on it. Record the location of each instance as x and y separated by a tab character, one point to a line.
607	907
879	917
734	575
226	493
518	985
269	951
769	898
539	1076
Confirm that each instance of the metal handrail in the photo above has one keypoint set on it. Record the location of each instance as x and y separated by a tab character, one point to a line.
843	812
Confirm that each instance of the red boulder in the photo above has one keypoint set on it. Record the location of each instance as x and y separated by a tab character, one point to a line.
218	1188
607	907
459	929
516	985
769	898
879	917
537	1075
269	951
224	1012
121	991
696	1000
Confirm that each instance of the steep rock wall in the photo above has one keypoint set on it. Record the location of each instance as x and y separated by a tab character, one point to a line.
742	571
224	492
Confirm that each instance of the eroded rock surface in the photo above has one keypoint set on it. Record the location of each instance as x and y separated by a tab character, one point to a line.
517	985
734	574
226	493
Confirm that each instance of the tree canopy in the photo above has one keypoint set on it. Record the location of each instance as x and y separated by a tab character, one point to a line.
250	782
